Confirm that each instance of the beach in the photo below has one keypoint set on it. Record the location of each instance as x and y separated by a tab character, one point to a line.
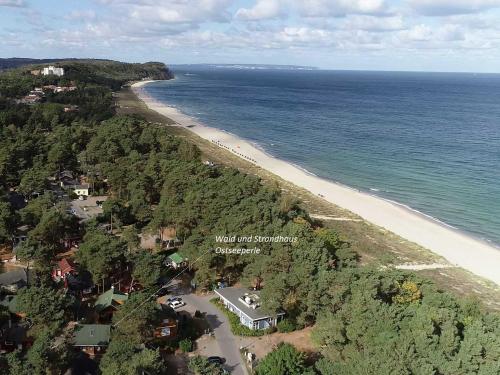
458	248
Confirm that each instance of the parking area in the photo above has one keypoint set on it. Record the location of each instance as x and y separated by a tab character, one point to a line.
87	208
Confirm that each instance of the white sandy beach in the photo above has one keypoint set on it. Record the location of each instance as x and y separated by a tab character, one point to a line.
456	247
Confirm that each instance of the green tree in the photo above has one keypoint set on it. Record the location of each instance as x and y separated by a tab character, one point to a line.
136	319
147	268
285	359
34	210
131	236
101	254
44	358
6	222
200	366
54	225
31	251
45	306
124	358
33	180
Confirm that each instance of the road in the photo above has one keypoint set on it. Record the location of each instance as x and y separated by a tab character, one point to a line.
226	343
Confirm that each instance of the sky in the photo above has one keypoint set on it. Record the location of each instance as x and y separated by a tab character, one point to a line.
415	35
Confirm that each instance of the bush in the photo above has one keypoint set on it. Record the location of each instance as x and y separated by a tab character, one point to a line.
198	314
200	366
286	325
186	345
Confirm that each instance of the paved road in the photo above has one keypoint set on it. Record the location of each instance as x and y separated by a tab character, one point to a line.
226	342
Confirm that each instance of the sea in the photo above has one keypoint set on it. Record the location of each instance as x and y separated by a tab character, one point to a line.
429	141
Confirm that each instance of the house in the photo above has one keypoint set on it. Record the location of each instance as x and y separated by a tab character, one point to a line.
175	261
79	284
81	189
246	305
35	72
63	268
14	335
52	70
78	188
14	280
108	302
65	175
92	339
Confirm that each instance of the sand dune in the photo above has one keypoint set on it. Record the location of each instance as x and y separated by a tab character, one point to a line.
457	248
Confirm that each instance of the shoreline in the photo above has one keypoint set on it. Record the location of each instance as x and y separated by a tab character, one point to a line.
458	248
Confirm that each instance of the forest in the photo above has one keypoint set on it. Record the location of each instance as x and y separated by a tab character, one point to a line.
365	320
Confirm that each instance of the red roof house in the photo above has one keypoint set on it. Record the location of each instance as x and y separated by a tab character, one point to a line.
63	268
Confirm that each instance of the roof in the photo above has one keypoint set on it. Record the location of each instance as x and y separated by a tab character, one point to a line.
176	258
109	298
65	173
16	333
81	281
18	276
66	265
233	296
91	335
81	186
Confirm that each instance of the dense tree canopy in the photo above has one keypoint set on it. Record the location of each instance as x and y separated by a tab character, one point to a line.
124	358
285	359
45	306
101	254
367	321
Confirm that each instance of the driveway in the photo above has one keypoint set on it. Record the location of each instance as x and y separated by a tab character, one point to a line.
226	344
87	209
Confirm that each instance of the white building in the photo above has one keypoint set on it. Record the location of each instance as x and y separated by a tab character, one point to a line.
53	70
246	305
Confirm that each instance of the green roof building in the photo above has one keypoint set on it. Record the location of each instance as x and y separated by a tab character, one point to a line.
92	338
110	301
175	260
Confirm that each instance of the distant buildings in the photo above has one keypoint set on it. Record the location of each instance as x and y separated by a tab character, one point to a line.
52	70
246	304
38	94
57	89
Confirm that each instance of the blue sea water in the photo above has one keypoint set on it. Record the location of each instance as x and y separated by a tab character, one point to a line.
430	141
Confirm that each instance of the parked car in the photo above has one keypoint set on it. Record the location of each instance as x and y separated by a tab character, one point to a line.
173	299
176	304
